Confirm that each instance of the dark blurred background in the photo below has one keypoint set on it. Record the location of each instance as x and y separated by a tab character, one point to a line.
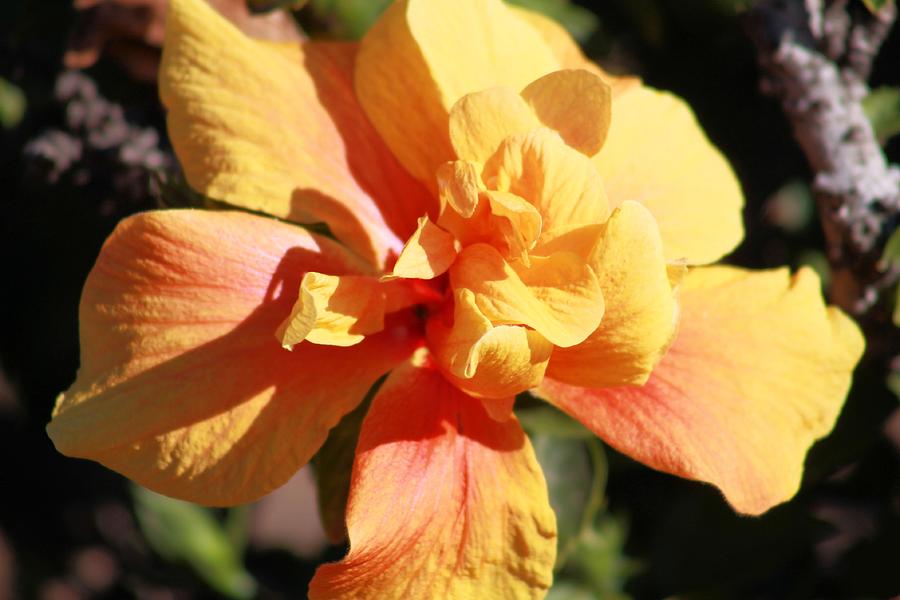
79	150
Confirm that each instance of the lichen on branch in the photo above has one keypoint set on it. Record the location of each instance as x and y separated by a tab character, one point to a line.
816	57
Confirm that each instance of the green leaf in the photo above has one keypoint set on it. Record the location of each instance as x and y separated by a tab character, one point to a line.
182	532
875	6
348	19
333	466
264	6
599	559
890	257
12	104
567	469
574	466
171	190
575	471
237	527
882	106
818	262
579	21
893	383
566	590
895	317
546	420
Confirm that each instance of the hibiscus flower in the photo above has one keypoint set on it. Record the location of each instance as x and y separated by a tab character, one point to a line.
505	217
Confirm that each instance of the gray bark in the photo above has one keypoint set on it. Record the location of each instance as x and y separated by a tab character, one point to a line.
816	56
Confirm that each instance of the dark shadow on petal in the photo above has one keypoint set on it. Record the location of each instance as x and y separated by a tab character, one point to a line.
240	365
400	197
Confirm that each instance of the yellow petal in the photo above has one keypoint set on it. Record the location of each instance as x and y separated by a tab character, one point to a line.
473	214
183	386
459	185
656	154
274	128
428	253
576	104
445	502
422	56
484	360
334	311
558	295
516	224
460	188
640	317
480	121
559	181
758	372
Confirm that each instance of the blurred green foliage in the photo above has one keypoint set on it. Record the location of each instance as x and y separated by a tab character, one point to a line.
333	465
579	21
544	419
791	207
598	562
891	255
347	19
877	5
12	104
264	6
893	380
591	562
882	106
350	19
890	259
188	534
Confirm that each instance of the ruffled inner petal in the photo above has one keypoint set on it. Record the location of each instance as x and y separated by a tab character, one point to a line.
561	183
641	309
559	295
484	360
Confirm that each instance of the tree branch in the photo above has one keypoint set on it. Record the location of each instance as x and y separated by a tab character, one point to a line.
816	57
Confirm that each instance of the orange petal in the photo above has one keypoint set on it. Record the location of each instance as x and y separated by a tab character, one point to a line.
405	293
444	502
183	386
657	154
428	253
424	55
484	360
575	103
558	295
759	371
640	317
558	180
334	311
499	409
276	128
480	121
